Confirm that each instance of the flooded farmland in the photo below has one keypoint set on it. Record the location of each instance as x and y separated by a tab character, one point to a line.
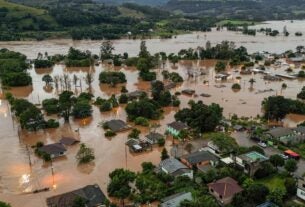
22	172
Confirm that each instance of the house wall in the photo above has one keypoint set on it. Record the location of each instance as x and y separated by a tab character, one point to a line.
301	194
173	131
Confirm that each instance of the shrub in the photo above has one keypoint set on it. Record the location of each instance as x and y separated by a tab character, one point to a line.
110	133
51	123
236	86
141	121
123	99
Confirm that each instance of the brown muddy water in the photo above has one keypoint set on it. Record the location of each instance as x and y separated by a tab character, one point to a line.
260	42
18	177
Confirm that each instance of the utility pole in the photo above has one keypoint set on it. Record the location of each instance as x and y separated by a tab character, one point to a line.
52	171
29	155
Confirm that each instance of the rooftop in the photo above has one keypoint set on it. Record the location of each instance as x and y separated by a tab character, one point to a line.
91	193
177	125
117	125
280	132
175	200
226	187
154	137
171	165
253	156
300	129
53	148
200	156
68	141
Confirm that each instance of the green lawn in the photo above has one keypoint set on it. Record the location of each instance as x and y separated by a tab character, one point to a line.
19	8
272	182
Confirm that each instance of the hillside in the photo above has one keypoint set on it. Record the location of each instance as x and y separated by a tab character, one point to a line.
141	2
241	9
86	19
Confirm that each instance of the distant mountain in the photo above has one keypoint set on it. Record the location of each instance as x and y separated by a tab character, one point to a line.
241	9
142	2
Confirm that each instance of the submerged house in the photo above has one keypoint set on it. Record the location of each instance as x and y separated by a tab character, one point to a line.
176	127
301	189
224	190
174	167
91	194
116	125
68	141
153	138
54	150
250	162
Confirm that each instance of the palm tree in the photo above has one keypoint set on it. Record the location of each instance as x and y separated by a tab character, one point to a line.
89	79
252	81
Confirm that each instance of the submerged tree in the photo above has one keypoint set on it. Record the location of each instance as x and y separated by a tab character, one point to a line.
47	79
85	154
106	50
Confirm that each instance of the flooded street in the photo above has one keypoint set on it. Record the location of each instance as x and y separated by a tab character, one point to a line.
22	172
260	42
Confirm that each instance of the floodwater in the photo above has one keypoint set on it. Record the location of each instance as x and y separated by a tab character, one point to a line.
260	42
18	177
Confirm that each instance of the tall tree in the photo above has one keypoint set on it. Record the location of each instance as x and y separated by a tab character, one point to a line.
106	50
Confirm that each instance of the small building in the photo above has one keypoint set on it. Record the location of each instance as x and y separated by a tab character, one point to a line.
170	85
176	199
54	150
223	76
176	127
91	194
137	145
135	95
174	167
224	190
250	162
153	138
267	204
116	125
279	133
68	141
199	159
188	92
301	189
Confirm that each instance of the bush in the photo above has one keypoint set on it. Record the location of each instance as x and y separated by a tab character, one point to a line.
110	133
112	78
236	86
141	121
123	99
220	66
175	77
16	79
51	123
50	106
43	63
161	142
105	106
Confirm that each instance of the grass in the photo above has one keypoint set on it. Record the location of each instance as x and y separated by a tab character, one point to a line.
21	8
126	12
236	22
272	182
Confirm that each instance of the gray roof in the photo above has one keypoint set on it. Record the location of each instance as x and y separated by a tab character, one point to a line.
280	132
53	148
91	193
175	200
135	94
200	156
68	140
154	137
117	125
177	125
172	165
300	129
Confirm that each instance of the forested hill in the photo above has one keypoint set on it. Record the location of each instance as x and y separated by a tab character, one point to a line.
241	9
141	2
85	19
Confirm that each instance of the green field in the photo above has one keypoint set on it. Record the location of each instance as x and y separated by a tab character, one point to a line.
273	182
21	8
236	22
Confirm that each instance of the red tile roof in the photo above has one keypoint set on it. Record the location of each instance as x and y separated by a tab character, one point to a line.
225	187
